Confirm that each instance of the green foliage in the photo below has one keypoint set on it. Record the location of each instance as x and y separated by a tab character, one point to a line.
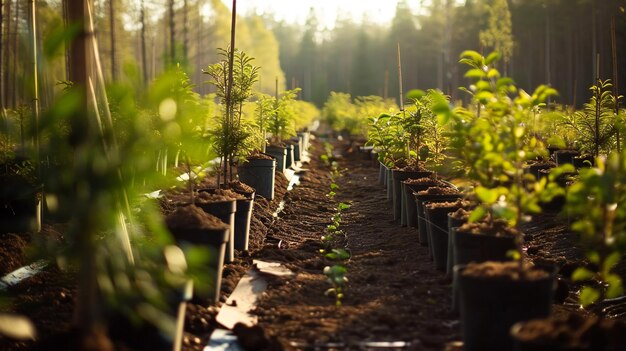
596	202
386	134
594	128
336	273
282	123
339	112
233	138
426	135
493	144
344	115
411	134
337	278
179	118
97	180
499	33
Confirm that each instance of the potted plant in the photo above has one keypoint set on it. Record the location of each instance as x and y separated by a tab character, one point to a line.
595	126
20	194
596	202
494	147
280	126
234	138
257	169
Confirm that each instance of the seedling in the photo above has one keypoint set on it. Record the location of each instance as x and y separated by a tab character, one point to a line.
492	148
337	278
231	139
595	127
596	202
337	274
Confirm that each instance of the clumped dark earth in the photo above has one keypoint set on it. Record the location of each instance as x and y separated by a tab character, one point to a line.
394	293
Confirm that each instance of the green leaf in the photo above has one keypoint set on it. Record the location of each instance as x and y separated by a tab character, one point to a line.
504	81
343	206
475	73
334	187
484	96
610	262
485	195
479	213
493	57
472	55
415	94
582	273
588	295
493	73
615	287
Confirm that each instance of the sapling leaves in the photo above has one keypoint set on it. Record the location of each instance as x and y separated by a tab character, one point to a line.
343	206
582	274
589	295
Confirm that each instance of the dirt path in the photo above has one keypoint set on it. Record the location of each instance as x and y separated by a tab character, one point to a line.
393	294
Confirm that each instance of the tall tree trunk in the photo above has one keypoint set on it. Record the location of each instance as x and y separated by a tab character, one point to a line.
16	53
7	55
172	37
144	60
113	39
594	42
615	77
87	313
548	50
35	75
185	31
2	88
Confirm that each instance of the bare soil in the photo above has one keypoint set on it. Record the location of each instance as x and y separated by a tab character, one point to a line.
394	293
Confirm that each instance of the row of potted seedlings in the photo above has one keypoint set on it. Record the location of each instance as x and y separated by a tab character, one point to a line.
220	217
474	232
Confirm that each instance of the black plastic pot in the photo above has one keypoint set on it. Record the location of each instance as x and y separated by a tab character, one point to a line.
477	248
565	156
242	221
409	201
382	174
147	337
259	174
480	248
225	211
397	177
437	225
216	241
409	207
535	168
389	186
20	205
453	223
422	226
583	161
569	332
297	154
280	154
491	305
289	159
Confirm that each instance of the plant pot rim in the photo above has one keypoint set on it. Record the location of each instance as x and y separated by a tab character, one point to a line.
551	271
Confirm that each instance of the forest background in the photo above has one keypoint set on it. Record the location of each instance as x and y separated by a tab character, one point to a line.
565	43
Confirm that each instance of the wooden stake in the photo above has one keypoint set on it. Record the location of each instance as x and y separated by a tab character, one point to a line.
33	37
615	77
400	80
229	86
